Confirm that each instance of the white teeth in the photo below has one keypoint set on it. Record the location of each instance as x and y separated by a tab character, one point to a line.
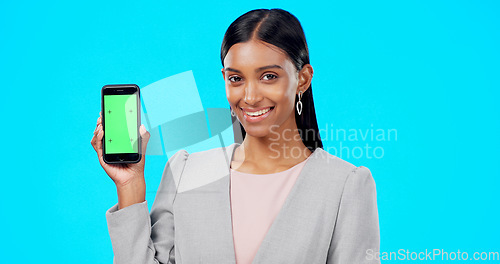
258	113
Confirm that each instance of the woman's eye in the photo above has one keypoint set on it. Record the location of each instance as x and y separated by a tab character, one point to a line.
270	76
234	79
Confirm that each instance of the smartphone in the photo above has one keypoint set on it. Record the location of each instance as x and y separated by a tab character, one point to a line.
121	120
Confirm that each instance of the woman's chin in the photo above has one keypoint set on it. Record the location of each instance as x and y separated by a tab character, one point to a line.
258	131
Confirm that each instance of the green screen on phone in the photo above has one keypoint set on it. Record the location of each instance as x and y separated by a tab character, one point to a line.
120	117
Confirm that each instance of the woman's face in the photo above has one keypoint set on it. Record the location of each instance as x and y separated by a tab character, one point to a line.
261	85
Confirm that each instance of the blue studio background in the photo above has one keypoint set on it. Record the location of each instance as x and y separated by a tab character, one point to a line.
427	70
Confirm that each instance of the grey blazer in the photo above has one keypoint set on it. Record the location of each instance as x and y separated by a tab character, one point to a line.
329	216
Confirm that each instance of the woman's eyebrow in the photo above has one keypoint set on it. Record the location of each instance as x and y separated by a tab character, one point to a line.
231	69
268	67
257	70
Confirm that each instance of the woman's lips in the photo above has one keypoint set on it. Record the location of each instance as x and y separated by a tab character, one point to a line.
256	114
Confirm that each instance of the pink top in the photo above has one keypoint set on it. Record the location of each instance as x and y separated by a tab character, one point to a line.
256	200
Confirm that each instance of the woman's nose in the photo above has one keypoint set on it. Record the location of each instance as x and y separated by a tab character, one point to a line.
252	93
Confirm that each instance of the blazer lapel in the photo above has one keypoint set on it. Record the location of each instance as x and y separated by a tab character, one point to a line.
281	234
203	211
281	240
226	213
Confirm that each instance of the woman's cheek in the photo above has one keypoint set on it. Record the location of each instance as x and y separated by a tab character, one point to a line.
278	92
233	94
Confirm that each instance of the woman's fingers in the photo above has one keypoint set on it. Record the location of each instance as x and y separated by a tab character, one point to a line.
97	123
96	140
100	134
96	130
99	144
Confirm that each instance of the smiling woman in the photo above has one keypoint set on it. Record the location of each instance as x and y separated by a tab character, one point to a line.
272	47
277	197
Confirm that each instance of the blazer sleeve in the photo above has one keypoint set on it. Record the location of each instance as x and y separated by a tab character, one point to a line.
140	237
356	237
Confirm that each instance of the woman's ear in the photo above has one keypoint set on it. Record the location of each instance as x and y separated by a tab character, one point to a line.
223	74
305	77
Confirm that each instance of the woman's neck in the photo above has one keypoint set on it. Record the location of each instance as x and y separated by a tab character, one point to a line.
280	150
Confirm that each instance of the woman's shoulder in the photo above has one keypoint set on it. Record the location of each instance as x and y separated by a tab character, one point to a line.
340	168
215	152
202	167
205	156
332	162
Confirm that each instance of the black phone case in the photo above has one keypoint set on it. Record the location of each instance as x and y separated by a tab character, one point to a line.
123	160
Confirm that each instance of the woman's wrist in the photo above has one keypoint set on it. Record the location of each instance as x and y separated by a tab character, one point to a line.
131	193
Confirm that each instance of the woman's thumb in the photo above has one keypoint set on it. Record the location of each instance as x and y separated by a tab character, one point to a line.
145	138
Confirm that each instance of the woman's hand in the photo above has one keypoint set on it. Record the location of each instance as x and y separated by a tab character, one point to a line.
129	177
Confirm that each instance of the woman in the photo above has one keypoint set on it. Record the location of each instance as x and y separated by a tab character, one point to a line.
276	198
